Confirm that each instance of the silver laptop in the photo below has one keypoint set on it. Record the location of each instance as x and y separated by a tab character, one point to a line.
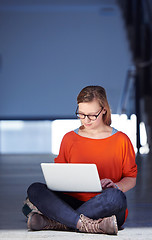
71	177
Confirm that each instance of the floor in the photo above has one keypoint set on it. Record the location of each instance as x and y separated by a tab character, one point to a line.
17	172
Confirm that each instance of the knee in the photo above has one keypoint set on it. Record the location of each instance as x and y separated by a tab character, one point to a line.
118	198
34	189
121	199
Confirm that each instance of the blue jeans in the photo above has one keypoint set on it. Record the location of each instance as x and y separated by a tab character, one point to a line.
66	209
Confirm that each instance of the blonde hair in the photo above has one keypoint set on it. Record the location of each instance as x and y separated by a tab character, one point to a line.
90	93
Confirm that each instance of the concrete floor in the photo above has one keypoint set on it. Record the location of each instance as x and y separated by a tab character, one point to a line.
17	172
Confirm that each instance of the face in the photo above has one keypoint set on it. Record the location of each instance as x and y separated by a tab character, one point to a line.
91	108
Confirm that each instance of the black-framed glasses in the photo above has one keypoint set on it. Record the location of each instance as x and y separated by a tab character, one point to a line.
90	117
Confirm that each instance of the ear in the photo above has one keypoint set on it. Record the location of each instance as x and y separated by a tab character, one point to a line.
104	111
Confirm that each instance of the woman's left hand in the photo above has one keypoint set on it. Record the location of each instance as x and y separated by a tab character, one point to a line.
107	183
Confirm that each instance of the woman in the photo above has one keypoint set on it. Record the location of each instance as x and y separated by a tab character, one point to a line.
94	142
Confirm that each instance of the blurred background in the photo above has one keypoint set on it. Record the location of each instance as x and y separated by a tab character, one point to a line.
49	51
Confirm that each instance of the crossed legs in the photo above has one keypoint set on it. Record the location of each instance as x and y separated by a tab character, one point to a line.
67	210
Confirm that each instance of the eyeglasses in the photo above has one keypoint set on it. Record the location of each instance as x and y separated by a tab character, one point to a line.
90	117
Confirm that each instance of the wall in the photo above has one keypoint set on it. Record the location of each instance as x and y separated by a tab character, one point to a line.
50	51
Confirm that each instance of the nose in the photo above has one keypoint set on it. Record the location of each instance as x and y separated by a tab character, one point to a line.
87	119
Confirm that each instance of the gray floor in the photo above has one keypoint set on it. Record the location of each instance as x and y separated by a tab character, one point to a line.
17	172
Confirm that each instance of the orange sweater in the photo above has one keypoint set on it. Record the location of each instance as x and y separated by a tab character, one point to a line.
114	156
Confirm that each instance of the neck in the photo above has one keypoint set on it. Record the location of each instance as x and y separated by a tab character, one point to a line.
100	132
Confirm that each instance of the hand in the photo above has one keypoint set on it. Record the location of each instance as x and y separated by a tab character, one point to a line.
107	183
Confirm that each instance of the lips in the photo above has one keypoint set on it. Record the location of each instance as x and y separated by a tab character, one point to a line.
87	125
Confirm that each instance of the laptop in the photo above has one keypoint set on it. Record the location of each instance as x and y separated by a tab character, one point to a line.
71	177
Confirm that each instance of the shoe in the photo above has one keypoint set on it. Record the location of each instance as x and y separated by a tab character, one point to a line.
28	207
106	225
37	222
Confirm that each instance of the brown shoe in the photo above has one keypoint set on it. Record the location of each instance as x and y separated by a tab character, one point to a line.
29	207
37	222
103	225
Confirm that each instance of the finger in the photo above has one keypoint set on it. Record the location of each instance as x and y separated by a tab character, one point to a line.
105	180
106	183
110	185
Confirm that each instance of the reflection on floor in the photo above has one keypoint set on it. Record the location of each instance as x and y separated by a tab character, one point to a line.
17	172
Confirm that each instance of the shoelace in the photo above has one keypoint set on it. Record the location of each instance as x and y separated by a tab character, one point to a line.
54	225
90	225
